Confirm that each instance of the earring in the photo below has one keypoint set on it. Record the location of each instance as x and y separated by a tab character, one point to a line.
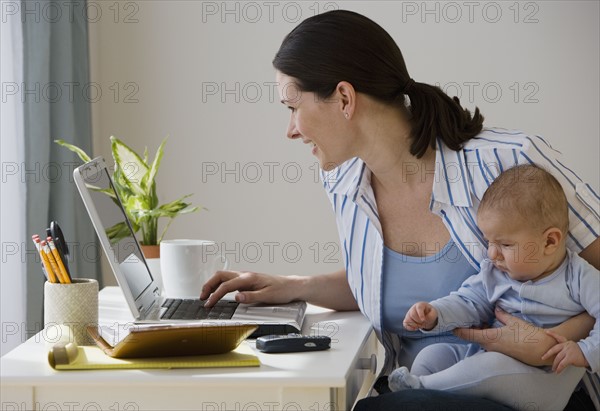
346	115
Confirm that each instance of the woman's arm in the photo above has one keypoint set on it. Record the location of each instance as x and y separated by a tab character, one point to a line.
524	341
329	291
326	290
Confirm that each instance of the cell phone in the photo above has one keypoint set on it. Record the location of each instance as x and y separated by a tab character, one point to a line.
276	343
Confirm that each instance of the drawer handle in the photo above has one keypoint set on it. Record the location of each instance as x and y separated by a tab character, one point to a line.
368	363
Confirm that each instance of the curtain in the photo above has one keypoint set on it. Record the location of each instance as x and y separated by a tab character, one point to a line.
56	97
12	190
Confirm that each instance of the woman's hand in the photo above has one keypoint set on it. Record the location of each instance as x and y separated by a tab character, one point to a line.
565	353
518	339
524	341
252	287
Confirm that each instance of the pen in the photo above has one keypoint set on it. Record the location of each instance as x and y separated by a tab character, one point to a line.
50	258
59	262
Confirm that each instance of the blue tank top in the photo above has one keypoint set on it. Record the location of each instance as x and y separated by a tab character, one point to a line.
408	279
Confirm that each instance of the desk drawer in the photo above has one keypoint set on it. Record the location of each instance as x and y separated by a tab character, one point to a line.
360	380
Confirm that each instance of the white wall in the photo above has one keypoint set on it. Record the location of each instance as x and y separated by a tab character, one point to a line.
166	58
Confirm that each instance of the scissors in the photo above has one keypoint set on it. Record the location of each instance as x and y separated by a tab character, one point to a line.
60	243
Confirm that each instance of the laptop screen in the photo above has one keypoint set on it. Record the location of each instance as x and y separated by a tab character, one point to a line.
125	248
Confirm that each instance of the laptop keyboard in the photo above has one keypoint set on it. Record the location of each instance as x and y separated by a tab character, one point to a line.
193	309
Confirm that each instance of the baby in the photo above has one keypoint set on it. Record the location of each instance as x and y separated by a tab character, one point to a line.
530	274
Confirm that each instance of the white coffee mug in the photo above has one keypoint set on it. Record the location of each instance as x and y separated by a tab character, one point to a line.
186	265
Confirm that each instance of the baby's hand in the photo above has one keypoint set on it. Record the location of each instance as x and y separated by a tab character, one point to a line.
567	353
421	315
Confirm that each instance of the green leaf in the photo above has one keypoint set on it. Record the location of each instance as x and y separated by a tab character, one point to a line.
137	205
117	232
175	208
121	185
152	196
133	168
106	191
82	154
155	164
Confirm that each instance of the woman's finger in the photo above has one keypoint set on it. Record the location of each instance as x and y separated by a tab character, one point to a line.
255	296
559	338
559	363
551	352
235	283
213	282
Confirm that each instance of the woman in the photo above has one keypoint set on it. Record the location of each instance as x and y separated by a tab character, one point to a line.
404	167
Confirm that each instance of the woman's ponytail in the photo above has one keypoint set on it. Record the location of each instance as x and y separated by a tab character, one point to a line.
435	114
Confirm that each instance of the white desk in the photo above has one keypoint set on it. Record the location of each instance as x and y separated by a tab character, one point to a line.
324	380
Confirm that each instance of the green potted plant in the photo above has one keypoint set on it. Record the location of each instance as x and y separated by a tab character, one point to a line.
134	181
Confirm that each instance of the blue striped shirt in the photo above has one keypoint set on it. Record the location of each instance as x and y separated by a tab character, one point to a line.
461	177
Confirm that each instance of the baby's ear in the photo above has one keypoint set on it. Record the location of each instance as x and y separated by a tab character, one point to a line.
553	242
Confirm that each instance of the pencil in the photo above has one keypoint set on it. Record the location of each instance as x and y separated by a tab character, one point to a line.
33	238
59	262
45	262
50	257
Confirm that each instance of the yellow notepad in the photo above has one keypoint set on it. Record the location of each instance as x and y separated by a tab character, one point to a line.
93	358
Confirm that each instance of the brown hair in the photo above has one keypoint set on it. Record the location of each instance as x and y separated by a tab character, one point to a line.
342	45
530	192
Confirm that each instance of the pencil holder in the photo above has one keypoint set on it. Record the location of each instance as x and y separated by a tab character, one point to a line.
70	308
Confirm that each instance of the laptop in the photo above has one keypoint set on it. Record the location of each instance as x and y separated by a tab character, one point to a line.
141	291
